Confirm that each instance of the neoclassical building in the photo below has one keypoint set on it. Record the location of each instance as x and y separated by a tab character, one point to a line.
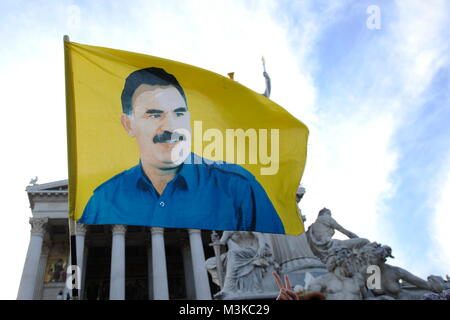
131	262
117	262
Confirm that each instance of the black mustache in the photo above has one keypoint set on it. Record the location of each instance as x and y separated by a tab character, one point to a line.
168	136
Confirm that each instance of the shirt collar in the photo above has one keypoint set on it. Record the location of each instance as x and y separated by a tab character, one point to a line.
186	176
188	172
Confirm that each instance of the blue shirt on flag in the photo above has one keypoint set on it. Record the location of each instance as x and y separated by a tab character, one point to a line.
203	195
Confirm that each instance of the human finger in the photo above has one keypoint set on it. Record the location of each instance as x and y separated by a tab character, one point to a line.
278	280
282	295
288	283
291	294
285	295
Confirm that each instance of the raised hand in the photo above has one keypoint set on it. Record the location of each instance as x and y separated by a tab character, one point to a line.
286	292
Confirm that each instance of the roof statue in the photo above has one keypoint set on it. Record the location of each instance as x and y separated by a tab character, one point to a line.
267	78
33	181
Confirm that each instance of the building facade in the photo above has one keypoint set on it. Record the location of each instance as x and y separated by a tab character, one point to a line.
116	262
134	262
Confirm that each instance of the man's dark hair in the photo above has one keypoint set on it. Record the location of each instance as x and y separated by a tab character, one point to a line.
151	76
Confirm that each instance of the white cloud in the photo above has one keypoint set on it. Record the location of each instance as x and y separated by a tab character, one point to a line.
350	162
439	228
352	156
33	143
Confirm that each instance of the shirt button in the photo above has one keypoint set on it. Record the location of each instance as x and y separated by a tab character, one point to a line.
162	204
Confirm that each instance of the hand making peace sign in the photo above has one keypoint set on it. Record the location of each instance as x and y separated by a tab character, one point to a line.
286	292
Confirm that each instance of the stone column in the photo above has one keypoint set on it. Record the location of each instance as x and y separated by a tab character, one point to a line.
160	284
80	235
202	289
117	285
30	269
46	246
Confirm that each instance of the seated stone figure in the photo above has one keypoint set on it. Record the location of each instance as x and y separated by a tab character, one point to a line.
320	235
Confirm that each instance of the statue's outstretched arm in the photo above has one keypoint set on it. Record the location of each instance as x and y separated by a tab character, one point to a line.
341	229
412	279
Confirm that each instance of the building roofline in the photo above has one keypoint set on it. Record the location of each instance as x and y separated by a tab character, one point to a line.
44	187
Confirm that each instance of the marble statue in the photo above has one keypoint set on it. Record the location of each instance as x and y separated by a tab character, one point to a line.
437	283
390	276
267	79
33	181
440	287
293	253
245	263
343	280
320	235
318	265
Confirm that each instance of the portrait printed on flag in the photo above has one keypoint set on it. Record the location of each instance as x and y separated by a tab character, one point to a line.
155	142
171	186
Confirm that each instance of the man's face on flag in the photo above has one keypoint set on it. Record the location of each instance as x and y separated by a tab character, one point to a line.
160	122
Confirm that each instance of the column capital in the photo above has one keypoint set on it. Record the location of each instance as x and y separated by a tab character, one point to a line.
80	229
38	226
191	231
156	230
119	228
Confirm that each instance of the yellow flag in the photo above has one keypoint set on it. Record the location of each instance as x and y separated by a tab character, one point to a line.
156	142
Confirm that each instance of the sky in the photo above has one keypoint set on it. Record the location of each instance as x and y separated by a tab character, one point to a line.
375	97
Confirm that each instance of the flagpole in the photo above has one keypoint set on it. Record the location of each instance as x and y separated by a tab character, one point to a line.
71	222
73	257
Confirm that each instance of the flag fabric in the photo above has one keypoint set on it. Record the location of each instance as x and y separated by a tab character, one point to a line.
160	143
